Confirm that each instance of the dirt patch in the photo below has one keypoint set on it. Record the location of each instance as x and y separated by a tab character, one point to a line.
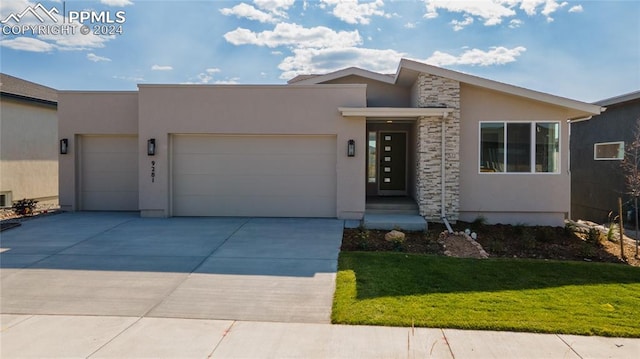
507	241
461	245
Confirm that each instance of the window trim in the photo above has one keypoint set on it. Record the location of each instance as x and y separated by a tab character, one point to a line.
532	123
596	158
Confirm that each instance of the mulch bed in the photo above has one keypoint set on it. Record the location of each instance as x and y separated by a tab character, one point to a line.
506	241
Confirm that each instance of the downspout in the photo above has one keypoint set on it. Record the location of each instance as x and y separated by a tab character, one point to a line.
443	214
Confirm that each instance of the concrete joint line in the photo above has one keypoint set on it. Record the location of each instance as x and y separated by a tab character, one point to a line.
193	270
114	337
224	335
446	340
570	347
75	244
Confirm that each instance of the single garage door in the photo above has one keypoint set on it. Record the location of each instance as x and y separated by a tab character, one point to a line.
261	176
109	173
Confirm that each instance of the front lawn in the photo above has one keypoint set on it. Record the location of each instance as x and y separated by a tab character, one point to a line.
399	289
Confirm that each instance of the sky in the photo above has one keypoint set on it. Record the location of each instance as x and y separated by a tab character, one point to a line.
584	50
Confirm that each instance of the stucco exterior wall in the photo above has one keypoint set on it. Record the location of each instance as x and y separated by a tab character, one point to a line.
90	113
434	91
379	94
542	198
257	110
28	150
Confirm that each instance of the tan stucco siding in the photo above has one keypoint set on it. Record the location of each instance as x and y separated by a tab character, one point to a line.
250	110
90	113
28	149
542	198
379	94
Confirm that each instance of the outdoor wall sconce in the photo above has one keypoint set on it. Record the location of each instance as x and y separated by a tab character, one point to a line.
64	146
151	147
351	148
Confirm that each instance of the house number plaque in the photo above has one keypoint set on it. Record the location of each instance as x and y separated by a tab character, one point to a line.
153	171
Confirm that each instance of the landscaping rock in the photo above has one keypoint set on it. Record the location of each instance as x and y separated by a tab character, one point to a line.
395	236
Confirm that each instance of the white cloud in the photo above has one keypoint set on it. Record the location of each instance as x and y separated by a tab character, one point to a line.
231	81
491	12
354	12
243	10
515	23
459	25
276	7
129	78
95	58
309	61
576	8
161	68
27	44
119	3
285	34
410	25
475	57
212	70
530	7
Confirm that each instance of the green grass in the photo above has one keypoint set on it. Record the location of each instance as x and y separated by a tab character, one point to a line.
397	289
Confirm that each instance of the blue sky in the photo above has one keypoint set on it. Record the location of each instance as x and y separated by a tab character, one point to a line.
585	50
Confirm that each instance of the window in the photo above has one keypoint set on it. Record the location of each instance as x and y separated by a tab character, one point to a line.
608	151
520	147
371	170
5	199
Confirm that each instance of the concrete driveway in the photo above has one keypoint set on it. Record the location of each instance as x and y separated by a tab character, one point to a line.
117	264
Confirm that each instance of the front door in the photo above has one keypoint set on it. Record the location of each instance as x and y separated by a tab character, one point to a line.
392	163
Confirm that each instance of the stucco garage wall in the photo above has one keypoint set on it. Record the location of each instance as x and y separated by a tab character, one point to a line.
90	113
166	110
510	197
29	150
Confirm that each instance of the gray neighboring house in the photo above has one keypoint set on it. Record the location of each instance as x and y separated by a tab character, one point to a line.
597	148
451	144
28	141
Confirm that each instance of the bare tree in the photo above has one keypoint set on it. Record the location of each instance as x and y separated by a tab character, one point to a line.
631	169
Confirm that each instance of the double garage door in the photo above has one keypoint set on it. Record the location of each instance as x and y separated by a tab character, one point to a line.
264	176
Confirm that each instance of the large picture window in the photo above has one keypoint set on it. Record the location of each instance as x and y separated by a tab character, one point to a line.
520	147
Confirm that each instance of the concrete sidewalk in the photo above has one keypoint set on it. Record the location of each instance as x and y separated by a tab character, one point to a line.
40	336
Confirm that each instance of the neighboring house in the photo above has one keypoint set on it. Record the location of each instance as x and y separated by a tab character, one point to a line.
305	149
28	141
597	148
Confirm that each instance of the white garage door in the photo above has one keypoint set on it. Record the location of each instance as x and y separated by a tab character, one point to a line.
109	173
262	176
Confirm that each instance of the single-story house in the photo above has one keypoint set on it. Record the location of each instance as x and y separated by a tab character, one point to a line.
28	141
597	149
457	145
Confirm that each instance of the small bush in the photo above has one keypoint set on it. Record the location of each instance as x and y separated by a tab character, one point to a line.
363	238
24	207
528	239
594	235
479	222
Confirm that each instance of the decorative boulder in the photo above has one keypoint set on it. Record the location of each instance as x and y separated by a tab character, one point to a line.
395	236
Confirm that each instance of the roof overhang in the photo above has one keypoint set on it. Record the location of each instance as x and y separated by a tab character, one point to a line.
396	112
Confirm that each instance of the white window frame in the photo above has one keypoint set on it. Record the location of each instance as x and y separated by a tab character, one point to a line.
8	195
533	149
595	151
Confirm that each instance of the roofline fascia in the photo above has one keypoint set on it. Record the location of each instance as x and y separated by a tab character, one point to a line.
619	99
29	99
350	71
500	86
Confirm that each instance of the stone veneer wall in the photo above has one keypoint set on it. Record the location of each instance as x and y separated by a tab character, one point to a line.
435	91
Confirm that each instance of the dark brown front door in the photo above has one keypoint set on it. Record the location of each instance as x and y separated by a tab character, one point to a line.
392	169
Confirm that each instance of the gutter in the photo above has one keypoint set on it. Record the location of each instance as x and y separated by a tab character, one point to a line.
443	214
